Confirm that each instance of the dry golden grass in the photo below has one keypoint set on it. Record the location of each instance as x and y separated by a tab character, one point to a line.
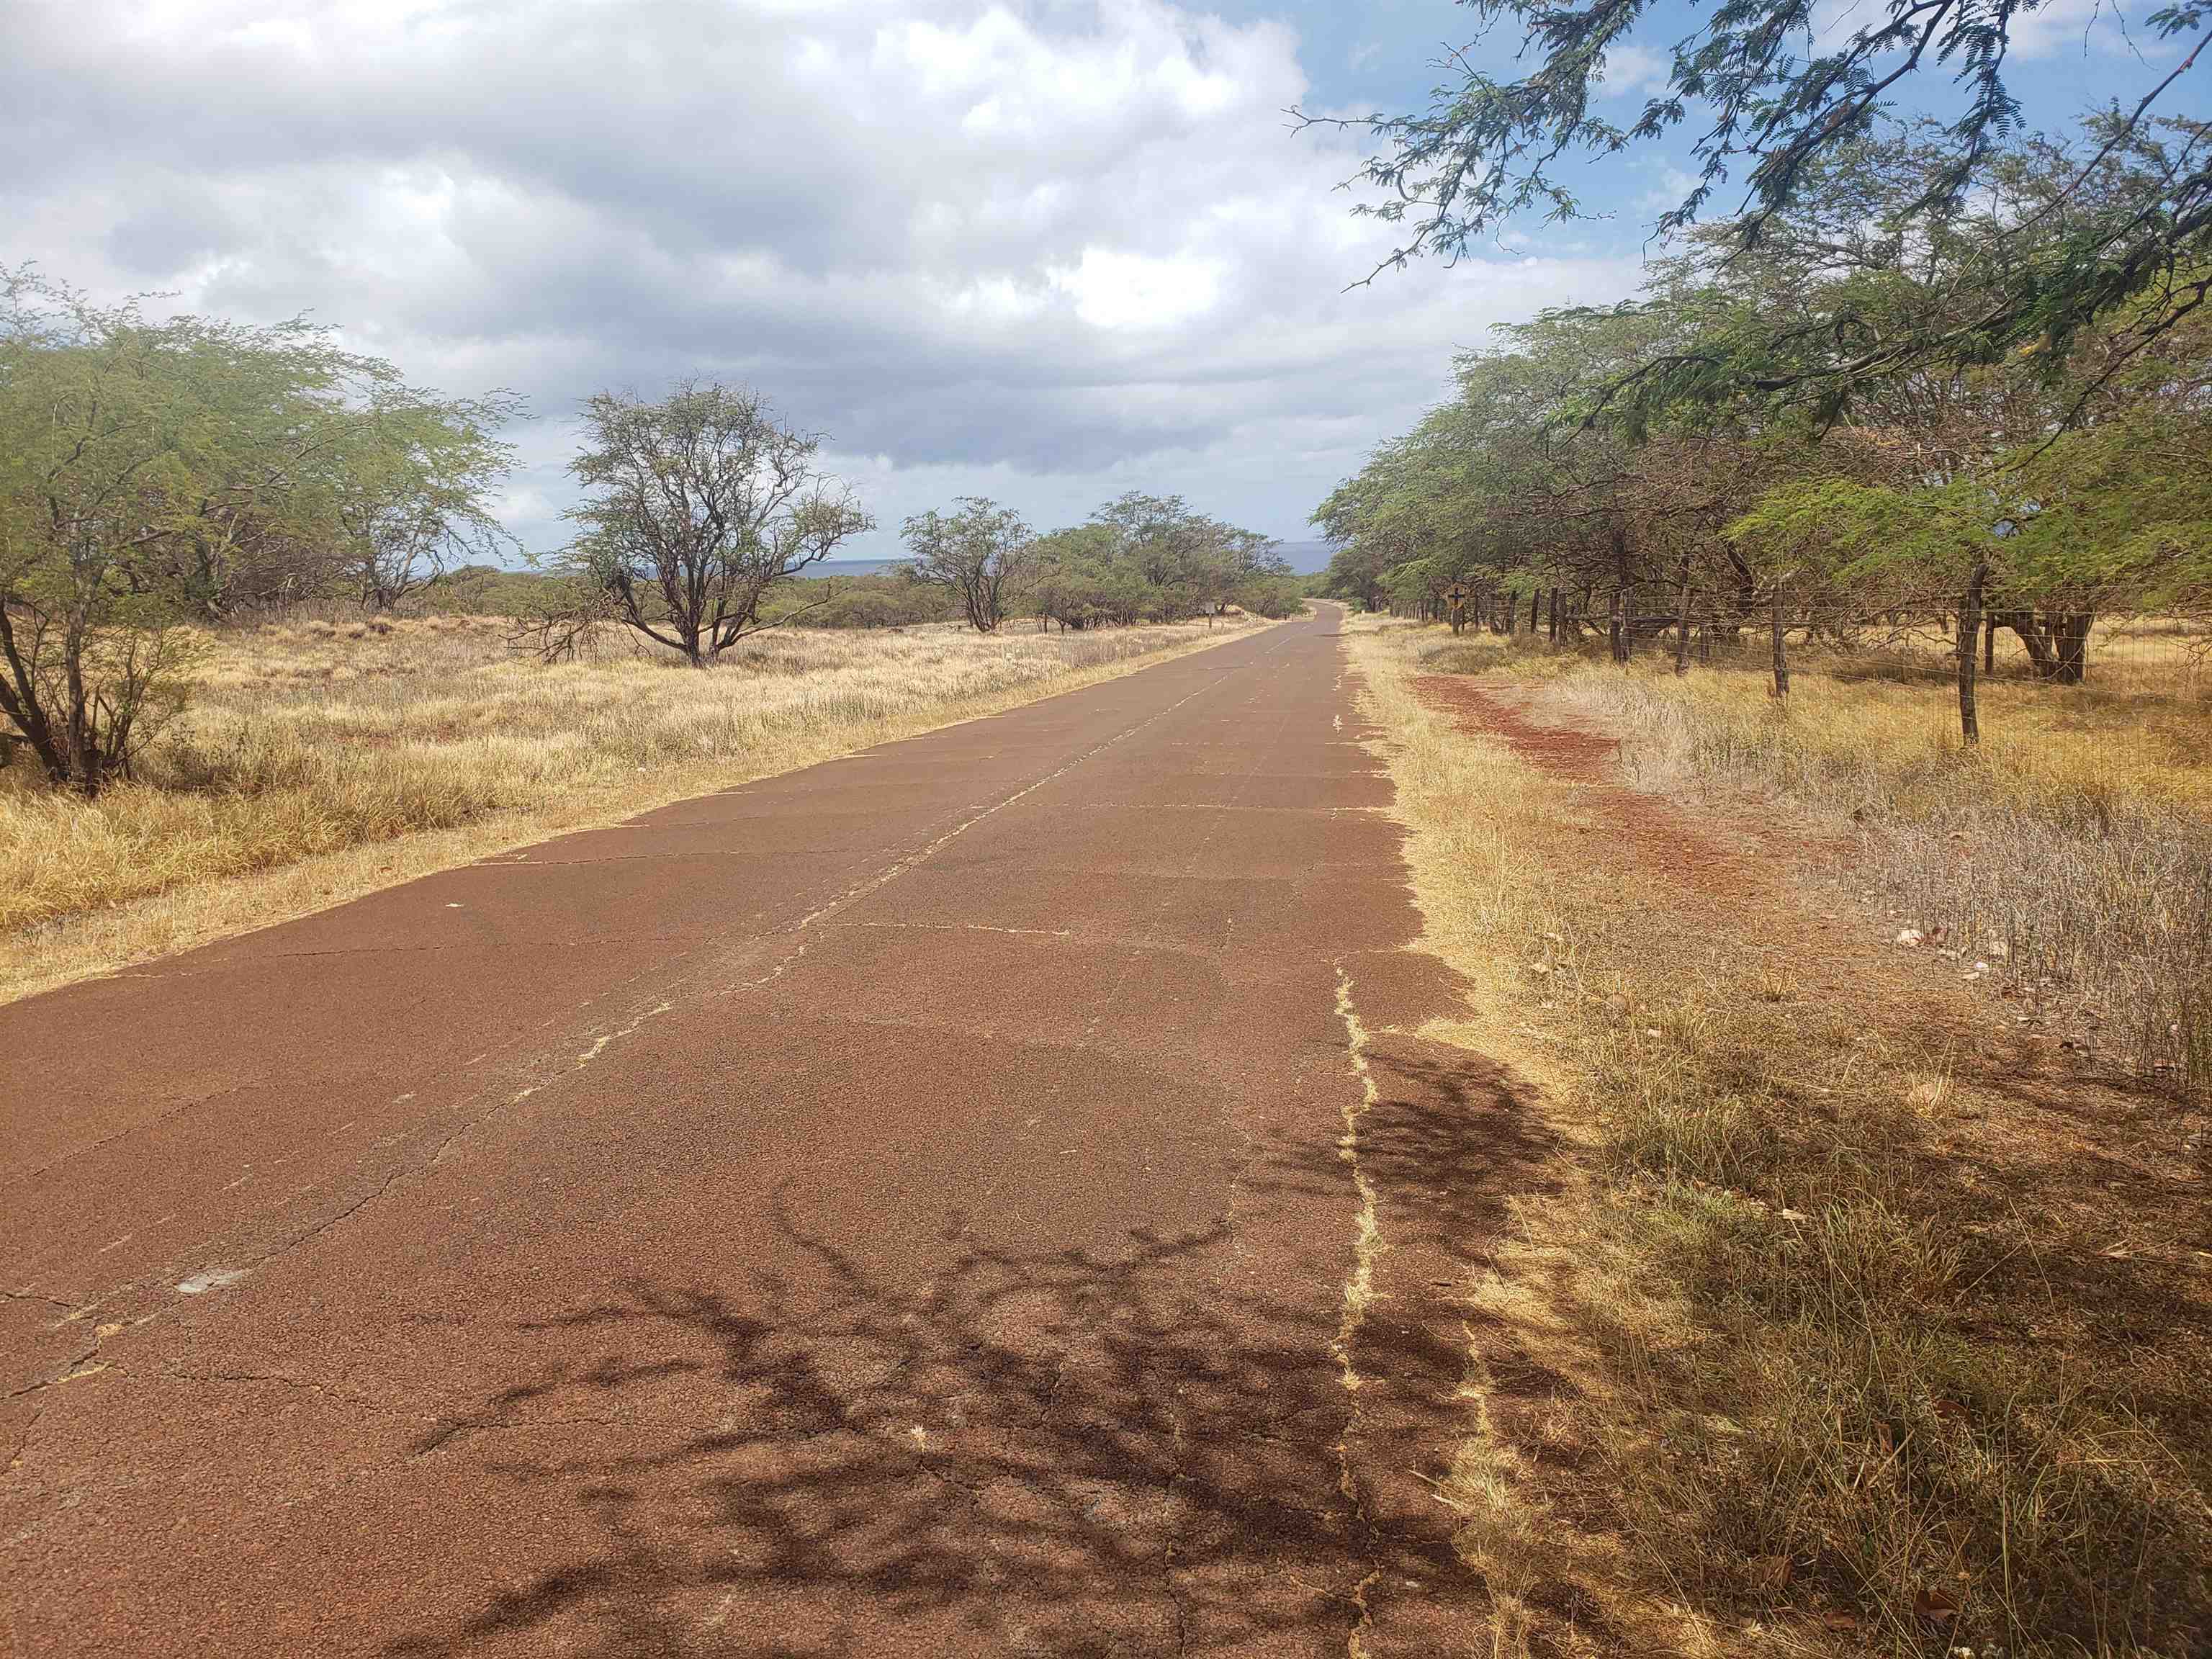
2139	660
2069	855
321	760
1478	821
2070	852
1859	742
1872	1329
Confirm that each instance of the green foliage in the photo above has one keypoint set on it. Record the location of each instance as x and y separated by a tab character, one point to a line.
1152	558
695	507
157	473
1777	96
1629	457
1274	596
486	589
1080	580
981	553
892	599
150	472
413	495
2123	509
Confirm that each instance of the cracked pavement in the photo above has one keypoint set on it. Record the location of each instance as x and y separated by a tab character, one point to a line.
985	1195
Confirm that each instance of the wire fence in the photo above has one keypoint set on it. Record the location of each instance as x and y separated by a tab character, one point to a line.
2148	655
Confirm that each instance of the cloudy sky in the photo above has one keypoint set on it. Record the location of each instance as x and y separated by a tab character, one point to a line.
1039	250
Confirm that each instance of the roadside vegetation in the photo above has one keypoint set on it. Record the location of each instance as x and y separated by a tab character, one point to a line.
1873	1296
1796	696
1708	468
2066	865
1783	457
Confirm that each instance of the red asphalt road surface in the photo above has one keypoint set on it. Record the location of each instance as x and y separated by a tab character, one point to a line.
902	1206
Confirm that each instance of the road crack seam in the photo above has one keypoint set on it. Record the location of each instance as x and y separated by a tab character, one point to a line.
1176	1600
599	1047
1367	1247
300	1384
899	867
1171	1551
965	927
892	872
24	1444
74	1310
481	1108
86	1363
1136	947
85	1151
211	1101
453	1435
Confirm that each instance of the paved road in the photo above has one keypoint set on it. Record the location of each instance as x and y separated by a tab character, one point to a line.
904	1207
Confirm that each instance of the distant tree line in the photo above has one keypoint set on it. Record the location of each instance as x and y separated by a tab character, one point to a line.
162	475
1682	465
702	514
1139	558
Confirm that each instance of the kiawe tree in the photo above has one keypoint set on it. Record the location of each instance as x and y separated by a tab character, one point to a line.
694	507
1239	568
1773	89
1139	557
1186	562
982	551
413	498
1074	582
143	465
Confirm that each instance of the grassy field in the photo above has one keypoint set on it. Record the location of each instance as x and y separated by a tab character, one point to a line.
2070	852
1873	1305
327	757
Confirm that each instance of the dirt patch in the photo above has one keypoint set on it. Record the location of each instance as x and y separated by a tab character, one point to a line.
1722	866
1725	861
1664	839
1495	708
1756	1060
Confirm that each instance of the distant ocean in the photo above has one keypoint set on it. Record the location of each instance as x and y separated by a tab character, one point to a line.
1305	558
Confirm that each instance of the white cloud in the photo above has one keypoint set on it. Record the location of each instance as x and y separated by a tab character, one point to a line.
1117	290
2059	26
2099	27
1633	71
1047	253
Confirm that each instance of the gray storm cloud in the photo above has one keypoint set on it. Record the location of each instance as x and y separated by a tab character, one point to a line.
1046	252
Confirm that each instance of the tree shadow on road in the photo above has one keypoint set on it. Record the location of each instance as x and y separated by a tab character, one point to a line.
952	1459
979	1449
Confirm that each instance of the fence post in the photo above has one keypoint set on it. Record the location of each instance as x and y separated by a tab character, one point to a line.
1682	623
1970	628
1781	648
